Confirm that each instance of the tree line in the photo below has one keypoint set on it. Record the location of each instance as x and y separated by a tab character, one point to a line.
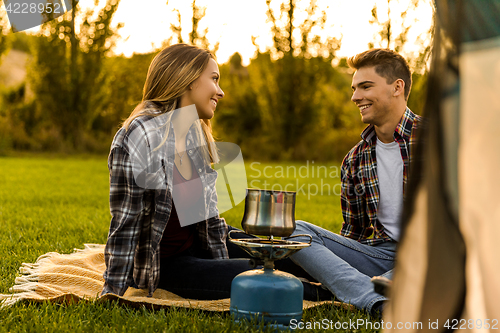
292	102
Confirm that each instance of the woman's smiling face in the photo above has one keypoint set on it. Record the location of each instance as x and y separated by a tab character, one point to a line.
205	92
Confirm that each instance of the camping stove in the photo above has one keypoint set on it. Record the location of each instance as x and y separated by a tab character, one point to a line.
268	293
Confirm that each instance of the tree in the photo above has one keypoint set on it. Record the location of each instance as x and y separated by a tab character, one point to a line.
285	27
122	96
393	33
394	29
290	98
237	119
289	87
4	42
5	140
195	37
66	72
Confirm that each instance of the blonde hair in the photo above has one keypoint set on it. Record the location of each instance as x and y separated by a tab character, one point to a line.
170	74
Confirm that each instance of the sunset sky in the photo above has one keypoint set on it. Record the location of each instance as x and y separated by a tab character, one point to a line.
234	22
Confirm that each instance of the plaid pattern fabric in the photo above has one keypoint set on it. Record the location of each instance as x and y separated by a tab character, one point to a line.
140	215
360	192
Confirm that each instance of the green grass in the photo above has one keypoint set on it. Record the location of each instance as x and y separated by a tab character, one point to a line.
58	204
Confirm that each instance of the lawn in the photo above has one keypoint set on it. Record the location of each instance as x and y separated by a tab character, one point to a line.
58	204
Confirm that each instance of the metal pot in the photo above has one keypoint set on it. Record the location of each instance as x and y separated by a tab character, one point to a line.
269	213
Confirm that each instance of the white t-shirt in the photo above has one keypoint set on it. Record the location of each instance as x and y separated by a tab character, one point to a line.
390	177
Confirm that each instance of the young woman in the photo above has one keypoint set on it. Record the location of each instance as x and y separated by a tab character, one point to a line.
165	229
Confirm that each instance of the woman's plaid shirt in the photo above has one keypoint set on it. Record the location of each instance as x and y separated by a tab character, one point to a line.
360	191
140	213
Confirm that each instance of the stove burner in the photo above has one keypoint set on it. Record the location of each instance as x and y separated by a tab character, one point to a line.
269	249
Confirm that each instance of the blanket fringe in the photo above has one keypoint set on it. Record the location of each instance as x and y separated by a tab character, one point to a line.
25	285
20	280
19	290
6	302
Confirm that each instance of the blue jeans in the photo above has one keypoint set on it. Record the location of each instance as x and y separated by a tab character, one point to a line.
343	265
193	274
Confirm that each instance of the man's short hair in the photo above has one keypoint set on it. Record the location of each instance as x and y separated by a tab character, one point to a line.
387	63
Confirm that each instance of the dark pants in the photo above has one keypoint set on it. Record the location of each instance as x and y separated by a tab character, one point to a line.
193	275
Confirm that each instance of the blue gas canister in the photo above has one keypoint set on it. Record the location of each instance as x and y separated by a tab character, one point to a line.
269	294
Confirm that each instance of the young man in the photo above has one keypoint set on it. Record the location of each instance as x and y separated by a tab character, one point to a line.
374	176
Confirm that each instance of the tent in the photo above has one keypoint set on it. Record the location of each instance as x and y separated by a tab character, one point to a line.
447	273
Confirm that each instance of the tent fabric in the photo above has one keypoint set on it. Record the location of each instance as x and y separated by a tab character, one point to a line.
448	260
479	177
470	20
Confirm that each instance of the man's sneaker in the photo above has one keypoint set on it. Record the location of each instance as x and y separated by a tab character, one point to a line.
381	285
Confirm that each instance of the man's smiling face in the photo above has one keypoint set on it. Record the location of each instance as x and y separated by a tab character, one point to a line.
372	95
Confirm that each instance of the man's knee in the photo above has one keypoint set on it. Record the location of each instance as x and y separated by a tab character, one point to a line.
301	227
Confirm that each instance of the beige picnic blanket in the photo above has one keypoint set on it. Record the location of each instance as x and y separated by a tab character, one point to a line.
78	276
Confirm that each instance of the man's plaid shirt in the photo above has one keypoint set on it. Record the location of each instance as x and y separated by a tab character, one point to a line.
140	215
360	190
